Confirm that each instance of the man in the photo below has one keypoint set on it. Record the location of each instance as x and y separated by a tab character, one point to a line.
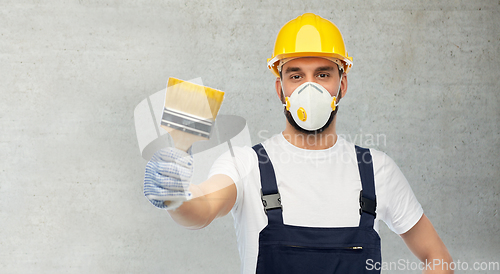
306	200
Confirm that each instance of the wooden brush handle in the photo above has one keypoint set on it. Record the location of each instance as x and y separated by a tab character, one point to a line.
183	140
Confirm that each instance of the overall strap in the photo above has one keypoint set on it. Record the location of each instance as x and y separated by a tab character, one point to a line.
269	192
367	198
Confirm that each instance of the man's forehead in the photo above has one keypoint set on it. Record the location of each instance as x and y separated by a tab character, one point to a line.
316	63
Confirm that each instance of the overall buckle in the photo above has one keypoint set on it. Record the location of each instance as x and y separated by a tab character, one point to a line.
367	205
270	201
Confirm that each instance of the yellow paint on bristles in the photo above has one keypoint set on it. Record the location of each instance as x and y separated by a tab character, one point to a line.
193	99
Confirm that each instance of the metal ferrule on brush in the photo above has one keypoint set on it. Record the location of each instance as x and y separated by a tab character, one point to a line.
187	123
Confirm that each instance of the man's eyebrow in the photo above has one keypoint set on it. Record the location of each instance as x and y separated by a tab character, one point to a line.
292	69
325	68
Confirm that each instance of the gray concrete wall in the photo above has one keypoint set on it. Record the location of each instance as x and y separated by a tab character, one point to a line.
425	81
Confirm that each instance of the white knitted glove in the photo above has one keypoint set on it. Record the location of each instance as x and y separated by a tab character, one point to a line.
167	178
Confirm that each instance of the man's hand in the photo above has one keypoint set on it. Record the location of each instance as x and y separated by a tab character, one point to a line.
168	177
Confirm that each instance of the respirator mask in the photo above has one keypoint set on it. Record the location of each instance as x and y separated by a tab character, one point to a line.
311	105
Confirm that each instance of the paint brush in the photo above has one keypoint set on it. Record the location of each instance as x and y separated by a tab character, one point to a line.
190	111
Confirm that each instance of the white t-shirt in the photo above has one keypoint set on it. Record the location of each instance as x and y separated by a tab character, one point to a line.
318	188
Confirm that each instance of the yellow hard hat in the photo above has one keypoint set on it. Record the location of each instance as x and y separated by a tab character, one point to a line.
309	35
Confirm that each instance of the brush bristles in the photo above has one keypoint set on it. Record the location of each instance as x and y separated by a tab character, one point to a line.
193	99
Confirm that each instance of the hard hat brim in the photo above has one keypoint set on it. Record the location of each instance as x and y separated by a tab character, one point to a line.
272	63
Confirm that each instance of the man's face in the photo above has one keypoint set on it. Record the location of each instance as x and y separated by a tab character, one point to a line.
310	69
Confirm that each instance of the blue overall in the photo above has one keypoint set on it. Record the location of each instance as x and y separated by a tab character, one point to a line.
287	249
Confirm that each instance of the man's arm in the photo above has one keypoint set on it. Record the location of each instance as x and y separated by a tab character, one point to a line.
423	240
211	199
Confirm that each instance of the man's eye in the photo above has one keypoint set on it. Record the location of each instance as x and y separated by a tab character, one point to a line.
322	75
295	77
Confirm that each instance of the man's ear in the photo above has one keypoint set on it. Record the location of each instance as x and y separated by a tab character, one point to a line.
278	88
343	86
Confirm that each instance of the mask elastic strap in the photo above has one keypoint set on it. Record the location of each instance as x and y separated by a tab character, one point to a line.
338	92
282	93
